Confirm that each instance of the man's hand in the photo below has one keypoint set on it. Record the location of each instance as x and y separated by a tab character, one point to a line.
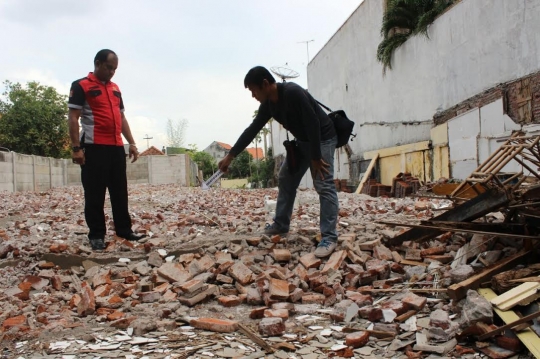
78	157
319	168
133	152
224	164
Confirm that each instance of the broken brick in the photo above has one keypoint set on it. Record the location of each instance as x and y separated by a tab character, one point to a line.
214	325
313	299
357	339
257	313
174	272
310	261
282	255
271	327
276	313
279	289
334	262
230	301
241	273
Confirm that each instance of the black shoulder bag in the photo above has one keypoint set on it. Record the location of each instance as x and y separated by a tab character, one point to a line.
344	127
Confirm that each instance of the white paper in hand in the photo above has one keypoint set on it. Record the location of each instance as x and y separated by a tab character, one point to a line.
209	182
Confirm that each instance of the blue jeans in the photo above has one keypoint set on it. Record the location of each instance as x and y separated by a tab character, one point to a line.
326	189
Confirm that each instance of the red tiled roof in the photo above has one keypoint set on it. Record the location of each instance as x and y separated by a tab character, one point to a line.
224	145
152	151
256	153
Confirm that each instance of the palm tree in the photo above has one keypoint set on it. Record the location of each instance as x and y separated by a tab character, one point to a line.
404	18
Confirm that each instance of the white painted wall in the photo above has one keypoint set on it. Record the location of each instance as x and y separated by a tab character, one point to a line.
474	46
476	134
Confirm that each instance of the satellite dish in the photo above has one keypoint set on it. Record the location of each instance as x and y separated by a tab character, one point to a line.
284	73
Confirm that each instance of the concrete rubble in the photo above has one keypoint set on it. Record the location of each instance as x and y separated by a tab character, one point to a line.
206	283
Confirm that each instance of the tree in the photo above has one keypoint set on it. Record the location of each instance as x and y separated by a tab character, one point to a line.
240	166
33	120
264	170
176	132
404	18
206	163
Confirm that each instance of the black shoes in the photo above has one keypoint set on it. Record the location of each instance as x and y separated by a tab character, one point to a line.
132	236
97	243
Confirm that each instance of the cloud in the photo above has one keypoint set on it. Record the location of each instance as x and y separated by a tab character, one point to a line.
44	77
36	13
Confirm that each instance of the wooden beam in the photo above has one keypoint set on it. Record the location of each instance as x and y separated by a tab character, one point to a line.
508	326
367	173
447	229
528	337
459	290
255	338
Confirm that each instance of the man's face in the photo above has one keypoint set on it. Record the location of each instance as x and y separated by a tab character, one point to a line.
104	71
259	93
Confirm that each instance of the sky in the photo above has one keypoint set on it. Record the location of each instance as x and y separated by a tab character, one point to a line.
178	59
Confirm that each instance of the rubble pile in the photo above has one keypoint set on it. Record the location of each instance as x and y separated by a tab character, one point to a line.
206	284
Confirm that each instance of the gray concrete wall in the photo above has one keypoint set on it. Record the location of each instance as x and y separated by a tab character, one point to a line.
34	173
474	46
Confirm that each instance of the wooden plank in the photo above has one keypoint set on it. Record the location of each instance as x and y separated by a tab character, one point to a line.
367	173
509	326
459	290
522	294
528	337
255	338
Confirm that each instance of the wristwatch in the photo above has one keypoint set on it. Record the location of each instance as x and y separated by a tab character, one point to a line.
76	148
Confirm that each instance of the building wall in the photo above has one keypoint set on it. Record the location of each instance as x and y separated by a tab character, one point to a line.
474	46
34	173
216	151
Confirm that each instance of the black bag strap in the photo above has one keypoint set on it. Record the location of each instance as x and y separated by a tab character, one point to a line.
323	106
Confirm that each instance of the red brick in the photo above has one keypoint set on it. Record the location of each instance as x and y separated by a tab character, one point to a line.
318	281
334	262
162	288
241	273
214	325
381	267
371	313
296	295
357	339
300	272
123	323
313	299
253	296
397	268
191	286
17	321
257	313
254	241
101	278
56	282
382	252
310	261
413	301
149	297
279	289
396	305
276	313
362	300
87	305
282	255
433	251
271	327
115	315
174	272
230	301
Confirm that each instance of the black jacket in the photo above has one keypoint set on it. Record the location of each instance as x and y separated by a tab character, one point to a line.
298	112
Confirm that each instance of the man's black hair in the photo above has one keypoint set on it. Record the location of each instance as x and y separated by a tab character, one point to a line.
257	75
102	55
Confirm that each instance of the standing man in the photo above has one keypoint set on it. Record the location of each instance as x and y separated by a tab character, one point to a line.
298	112
99	148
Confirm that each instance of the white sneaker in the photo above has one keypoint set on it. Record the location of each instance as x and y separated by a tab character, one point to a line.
325	248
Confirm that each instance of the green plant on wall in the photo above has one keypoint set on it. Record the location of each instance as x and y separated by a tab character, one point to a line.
405	18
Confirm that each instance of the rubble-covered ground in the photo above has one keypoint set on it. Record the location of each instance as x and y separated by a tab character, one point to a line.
206	283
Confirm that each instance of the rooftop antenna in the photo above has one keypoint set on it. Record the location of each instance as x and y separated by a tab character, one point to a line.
147	138
284	73
307	47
